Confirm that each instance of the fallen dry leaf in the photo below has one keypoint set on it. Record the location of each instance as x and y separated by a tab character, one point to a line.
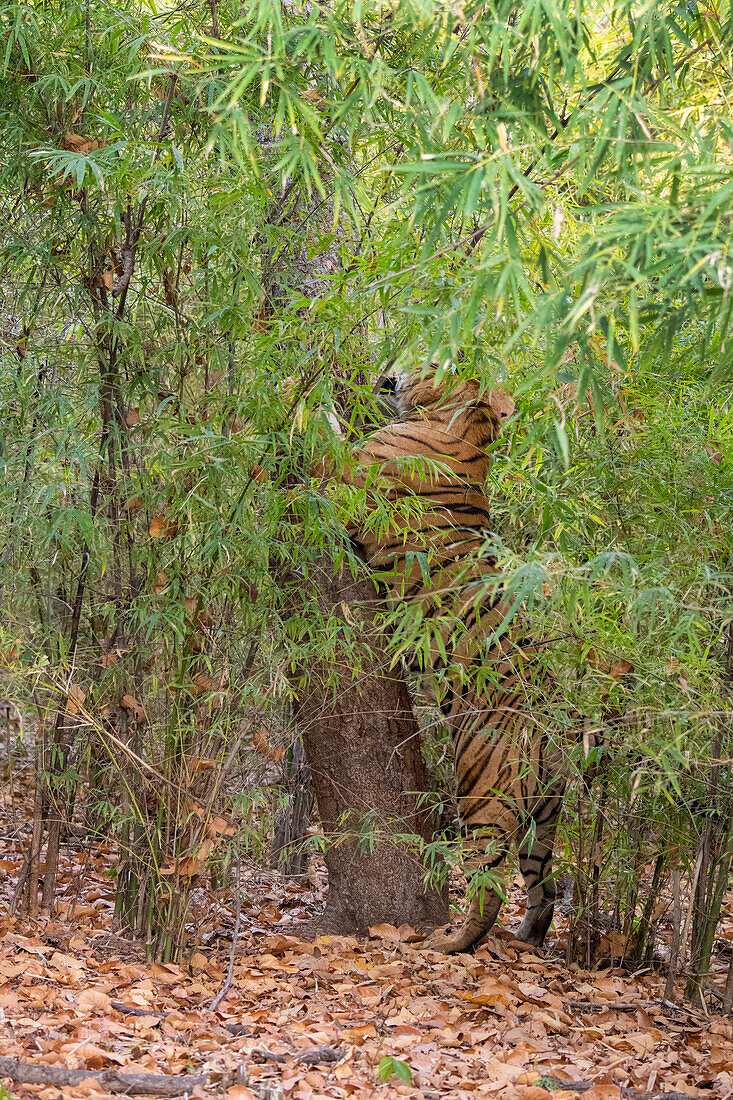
77	143
604	1091
498	1023
129	702
74	698
163	528
261	742
93	1000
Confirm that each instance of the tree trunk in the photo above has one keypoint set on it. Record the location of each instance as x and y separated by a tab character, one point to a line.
289	853
361	742
363	748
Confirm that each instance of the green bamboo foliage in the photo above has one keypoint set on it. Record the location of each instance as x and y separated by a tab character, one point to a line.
540	193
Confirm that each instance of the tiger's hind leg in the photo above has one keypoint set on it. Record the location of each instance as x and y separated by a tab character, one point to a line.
484	905
535	863
482	912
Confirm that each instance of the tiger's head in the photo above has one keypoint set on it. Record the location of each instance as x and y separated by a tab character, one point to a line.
407	393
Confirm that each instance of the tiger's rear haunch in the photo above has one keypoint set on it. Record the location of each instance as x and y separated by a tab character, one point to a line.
507	768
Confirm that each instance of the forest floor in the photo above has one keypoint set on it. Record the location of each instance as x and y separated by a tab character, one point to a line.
311	1020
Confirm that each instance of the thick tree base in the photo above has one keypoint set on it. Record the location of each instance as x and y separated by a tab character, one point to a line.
362	744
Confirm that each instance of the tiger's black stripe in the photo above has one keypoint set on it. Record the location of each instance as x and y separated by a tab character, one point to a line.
507	767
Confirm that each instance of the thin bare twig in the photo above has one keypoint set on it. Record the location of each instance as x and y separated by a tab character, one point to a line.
235	936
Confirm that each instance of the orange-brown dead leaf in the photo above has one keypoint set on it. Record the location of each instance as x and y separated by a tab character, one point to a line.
404	934
620	668
490	992
163	528
262	743
75	697
93	1000
201	764
77	143
129	702
604	1091
188	866
615	667
219	826
203	684
168	973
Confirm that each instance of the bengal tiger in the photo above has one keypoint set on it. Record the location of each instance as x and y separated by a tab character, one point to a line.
436	456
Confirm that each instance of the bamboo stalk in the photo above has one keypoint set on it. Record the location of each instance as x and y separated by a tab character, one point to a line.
674	954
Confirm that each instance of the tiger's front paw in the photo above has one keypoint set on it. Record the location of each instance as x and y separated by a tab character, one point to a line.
440	940
451	942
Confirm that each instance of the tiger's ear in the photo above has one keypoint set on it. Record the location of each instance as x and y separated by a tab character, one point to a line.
501	404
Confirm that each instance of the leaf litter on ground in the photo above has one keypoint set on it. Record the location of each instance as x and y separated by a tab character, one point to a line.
311	1020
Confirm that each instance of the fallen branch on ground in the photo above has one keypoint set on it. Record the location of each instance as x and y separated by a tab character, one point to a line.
132	1010
113	1080
632	1094
310	1057
605	1006
710	988
629	1006
235	936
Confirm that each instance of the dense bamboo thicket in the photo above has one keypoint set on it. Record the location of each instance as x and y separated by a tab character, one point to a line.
218	221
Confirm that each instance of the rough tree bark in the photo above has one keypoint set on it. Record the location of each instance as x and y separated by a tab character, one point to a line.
363	747
289	853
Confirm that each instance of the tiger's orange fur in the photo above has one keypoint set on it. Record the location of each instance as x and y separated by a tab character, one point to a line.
507	763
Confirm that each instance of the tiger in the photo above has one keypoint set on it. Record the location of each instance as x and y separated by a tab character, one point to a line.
436	455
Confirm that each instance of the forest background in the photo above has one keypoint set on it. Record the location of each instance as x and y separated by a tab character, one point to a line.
219	219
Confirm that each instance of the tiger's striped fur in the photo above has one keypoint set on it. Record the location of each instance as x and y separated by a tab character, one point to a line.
507	765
